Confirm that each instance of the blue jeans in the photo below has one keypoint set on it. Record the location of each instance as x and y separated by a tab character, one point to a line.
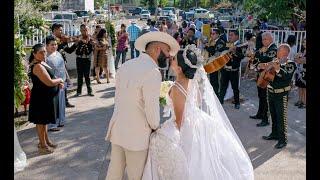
132	48
62	109
118	54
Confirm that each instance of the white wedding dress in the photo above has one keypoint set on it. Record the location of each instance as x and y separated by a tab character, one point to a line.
20	158
206	147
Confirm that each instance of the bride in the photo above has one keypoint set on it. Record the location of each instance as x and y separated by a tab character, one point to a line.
198	141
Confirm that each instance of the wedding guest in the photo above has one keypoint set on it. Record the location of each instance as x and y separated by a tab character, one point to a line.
55	61
134	31
122	45
300	76
44	92
100	56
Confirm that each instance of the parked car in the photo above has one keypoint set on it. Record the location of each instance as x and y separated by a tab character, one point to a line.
192	10
136	11
166	12
102	11
173	9
188	16
82	13
152	10
225	10
201	13
145	14
161	18
226	21
62	15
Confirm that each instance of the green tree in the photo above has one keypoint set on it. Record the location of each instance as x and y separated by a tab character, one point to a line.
279	10
19	72
99	4
205	3
28	20
163	3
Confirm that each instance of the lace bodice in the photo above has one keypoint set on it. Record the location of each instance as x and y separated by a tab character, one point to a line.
166	157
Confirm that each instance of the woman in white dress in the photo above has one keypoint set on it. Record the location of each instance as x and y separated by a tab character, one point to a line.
198	141
20	158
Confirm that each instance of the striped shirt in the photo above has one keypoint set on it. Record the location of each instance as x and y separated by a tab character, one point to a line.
134	32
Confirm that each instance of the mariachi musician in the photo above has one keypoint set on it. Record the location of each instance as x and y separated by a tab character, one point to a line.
264	55
230	72
278	91
215	46
83	48
62	41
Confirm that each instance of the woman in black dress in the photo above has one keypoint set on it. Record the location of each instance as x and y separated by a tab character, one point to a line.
300	76
43	100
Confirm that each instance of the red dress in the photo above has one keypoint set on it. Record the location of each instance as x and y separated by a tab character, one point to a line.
27	93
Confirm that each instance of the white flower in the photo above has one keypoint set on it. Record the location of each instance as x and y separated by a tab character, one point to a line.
165	87
164	90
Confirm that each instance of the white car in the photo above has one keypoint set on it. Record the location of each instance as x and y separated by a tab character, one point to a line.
145	14
173	17
201	13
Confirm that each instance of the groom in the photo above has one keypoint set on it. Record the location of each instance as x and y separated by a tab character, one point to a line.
136	112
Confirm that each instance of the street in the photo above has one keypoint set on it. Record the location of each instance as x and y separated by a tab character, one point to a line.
83	154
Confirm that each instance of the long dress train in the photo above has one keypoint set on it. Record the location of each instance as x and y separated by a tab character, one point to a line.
20	158
206	147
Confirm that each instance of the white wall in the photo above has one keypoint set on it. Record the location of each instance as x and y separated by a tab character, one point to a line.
89	5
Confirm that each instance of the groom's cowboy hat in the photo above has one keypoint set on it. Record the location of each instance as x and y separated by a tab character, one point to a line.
156	36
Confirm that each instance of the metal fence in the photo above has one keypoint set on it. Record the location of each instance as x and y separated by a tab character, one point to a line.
73	29
70	29
279	36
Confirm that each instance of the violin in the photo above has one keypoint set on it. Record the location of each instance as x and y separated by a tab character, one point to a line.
67	39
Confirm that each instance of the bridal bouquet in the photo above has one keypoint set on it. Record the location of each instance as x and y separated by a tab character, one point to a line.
164	89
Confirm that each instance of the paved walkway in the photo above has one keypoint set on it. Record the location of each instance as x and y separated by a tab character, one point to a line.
83	154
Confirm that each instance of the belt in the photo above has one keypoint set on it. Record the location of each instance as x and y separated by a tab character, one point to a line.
229	68
84	56
281	90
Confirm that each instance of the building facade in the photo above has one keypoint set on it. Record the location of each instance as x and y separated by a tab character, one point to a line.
87	5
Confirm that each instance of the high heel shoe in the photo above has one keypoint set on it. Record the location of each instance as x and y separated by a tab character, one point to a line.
50	145
45	150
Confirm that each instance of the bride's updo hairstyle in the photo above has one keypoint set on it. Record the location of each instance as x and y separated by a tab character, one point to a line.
187	71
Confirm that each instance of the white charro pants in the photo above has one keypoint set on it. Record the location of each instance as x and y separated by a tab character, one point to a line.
122	158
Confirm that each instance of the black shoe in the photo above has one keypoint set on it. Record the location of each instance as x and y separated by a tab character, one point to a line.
255	117
280	145
297	103
237	106
263	124
68	105
54	129
90	94
77	95
270	137
301	106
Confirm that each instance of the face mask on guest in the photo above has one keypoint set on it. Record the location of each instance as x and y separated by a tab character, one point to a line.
162	60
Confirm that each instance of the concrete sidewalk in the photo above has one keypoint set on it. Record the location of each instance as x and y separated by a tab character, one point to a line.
83	154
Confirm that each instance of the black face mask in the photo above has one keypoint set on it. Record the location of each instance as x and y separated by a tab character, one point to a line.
162	60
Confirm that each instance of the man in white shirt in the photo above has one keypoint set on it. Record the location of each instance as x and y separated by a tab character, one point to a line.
136	112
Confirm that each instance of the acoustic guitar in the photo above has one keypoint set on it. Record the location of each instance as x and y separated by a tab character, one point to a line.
215	63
